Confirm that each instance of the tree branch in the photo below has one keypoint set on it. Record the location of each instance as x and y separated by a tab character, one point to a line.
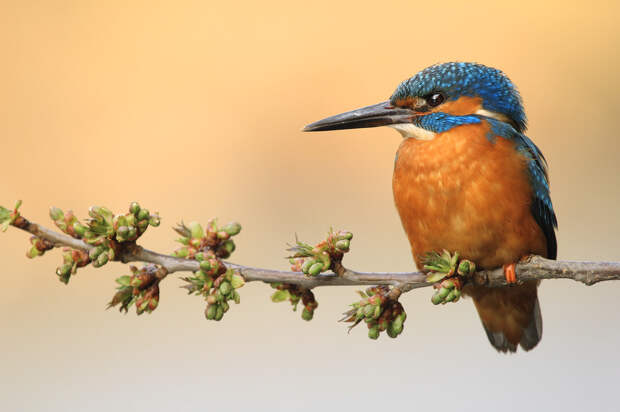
535	268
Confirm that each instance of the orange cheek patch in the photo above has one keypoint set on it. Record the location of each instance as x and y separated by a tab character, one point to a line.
461	106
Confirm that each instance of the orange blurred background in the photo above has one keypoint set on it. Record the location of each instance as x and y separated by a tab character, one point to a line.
194	109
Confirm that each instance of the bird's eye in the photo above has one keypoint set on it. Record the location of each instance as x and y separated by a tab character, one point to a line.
434	99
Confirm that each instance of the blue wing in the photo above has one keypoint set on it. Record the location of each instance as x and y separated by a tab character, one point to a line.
542	208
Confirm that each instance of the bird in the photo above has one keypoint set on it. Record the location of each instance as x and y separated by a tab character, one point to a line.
467	179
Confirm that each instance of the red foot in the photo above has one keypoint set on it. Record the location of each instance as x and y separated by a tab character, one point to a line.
510	273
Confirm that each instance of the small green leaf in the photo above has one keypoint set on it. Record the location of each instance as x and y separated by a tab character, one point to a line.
435	277
124	280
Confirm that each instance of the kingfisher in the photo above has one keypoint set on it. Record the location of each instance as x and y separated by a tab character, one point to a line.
467	179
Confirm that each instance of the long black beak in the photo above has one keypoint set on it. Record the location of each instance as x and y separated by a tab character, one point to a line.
382	114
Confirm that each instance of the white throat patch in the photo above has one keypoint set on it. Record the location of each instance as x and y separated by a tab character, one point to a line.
493	115
408	130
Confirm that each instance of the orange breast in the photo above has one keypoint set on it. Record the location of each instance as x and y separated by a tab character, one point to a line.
463	193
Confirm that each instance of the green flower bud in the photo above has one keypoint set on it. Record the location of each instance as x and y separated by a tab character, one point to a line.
210	311
79	229
143	224
33	252
143	214
306	266
443	292
64	271
229	246
101	260
236	297
369	311
373	332
449	284
280	296
154	220
225	288
451	296
122	232
377	311
196	230
315	269
343	245
94	253
394	330
219	313
120	220
232	228
237	281
306	314
466	268
205	265
130	220
132	232
222	235
134	208
225	306
398	322
347	235
383	325
181	252
56	213
97	212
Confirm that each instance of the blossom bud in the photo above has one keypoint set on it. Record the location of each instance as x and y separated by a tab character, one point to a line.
210	311
307	314
134	208
373	332
232	228
56	213
315	269
143	214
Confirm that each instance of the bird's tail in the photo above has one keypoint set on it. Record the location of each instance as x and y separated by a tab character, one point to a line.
510	315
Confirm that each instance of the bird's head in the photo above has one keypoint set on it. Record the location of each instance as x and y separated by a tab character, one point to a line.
435	100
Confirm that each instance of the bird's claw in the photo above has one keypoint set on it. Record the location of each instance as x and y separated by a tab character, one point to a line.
510	273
